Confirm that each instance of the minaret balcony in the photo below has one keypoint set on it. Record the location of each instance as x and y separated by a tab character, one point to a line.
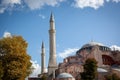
52	31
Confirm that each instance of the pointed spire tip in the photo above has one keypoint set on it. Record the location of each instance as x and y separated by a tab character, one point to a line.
42	44
51	17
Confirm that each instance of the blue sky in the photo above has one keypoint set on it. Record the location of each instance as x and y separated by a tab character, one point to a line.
77	23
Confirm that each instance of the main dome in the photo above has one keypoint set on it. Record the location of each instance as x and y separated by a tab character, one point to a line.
64	75
92	44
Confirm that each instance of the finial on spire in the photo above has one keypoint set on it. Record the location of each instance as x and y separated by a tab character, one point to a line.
52	17
42	44
92	39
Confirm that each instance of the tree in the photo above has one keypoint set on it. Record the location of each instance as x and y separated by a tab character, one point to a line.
44	77
112	77
90	69
1	70
14	58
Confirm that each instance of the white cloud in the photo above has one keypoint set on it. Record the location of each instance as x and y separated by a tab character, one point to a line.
38	4
34	4
113	1
7	34
37	69
115	47
8	5
89	3
116	1
67	52
2	10
42	16
107	0
12	2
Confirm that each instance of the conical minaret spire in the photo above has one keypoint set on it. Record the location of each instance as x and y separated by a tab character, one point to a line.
52	22
42	45
52	66
52	17
42	58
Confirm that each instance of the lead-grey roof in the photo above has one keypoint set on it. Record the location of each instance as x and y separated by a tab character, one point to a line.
64	75
101	70
92	44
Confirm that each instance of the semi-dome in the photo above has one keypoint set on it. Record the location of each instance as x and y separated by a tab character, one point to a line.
64	75
92	44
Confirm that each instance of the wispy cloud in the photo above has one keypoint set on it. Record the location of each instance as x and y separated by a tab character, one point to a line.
6	5
115	47
11	1
116	1
2	10
34	4
42	16
89	3
37	69
7	34
67	52
37	4
10	5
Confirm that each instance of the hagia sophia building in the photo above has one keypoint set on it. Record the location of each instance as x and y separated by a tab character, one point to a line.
108	61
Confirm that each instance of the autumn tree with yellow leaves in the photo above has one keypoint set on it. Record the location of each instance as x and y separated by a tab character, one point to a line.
14	61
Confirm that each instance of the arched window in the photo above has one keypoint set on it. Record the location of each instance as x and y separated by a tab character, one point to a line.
107	60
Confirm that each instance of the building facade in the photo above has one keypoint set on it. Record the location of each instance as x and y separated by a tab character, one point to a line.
74	64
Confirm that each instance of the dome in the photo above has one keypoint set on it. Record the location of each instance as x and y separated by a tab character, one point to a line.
92	44
101	70
64	75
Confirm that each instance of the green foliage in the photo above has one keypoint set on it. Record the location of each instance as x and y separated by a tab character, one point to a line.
90	69
1	70
44	77
14	57
112	77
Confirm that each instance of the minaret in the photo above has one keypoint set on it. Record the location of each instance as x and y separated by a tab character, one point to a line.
42	58
52	66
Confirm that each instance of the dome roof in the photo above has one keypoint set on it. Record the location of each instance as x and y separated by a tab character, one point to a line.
92	44
101	70
64	75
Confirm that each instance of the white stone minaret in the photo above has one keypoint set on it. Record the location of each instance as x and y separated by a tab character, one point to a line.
52	66
42	58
